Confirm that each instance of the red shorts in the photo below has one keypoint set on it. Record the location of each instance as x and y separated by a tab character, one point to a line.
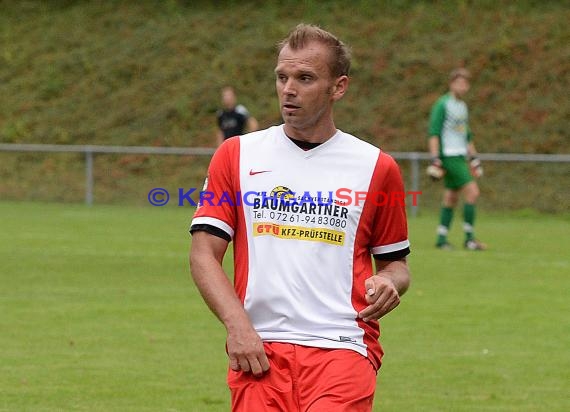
306	379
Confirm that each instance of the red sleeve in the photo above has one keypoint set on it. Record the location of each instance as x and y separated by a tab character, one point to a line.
220	195
389	235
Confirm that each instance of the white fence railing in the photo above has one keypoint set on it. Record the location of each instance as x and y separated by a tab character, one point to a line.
413	157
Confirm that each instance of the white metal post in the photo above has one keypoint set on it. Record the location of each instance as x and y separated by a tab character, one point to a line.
88	177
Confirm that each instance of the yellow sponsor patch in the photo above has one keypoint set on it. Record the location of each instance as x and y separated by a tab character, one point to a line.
333	237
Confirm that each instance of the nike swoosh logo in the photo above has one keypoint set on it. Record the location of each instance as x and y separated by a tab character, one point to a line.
252	173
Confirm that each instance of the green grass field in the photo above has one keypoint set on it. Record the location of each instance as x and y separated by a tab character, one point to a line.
98	313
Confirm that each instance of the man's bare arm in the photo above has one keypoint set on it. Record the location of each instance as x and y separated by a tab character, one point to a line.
471	151
433	146
385	287
244	345
219	137
252	124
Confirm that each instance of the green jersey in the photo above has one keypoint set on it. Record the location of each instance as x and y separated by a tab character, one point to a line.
449	121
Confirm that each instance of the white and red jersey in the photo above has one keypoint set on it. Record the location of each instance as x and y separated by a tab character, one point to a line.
304	225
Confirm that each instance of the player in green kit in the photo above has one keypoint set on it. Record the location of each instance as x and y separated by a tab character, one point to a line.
454	158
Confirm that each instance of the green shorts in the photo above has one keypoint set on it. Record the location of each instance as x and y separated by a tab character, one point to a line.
457	173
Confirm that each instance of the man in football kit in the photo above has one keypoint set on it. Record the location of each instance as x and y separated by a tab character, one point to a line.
233	119
454	158
302	203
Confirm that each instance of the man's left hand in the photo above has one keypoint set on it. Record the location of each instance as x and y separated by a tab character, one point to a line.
475	166
382	297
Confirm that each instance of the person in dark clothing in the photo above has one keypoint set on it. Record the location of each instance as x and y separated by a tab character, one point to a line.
233	119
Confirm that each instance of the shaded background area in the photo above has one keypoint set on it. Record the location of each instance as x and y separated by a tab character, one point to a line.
149	73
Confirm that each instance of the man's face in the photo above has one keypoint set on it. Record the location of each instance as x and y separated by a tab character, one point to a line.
305	87
228	99
459	86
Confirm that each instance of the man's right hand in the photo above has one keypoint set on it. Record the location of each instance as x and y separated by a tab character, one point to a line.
435	170
244	345
246	352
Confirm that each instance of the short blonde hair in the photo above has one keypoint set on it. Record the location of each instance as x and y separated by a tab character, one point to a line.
459	72
302	34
